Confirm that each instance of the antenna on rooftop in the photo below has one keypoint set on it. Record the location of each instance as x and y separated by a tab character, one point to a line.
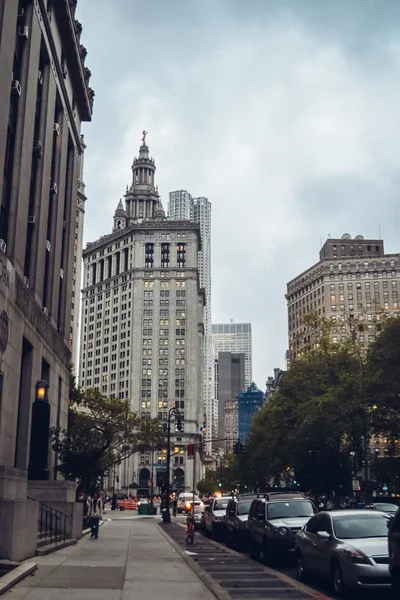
380	232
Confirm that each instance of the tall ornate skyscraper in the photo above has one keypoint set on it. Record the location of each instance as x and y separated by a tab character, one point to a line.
183	206
142	320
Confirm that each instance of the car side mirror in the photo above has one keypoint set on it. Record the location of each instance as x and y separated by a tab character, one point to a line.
323	535
390	521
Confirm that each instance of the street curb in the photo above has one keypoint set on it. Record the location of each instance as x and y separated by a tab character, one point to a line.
16	575
208	581
293	582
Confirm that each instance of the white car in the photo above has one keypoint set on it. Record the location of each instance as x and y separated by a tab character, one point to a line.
214	517
187	498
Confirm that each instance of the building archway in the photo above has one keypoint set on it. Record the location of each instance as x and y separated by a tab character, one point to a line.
144	477
179	479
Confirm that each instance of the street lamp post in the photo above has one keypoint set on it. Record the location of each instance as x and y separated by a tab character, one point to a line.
172	411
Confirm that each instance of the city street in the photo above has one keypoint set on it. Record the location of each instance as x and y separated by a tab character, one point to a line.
287	569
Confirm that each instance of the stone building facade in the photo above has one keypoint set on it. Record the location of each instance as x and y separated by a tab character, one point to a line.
353	277
142	330
44	97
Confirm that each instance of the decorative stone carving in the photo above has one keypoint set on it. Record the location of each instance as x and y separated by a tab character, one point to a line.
87	73
91	95
73	5
82	52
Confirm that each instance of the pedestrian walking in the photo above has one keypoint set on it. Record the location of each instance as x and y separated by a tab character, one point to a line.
95	511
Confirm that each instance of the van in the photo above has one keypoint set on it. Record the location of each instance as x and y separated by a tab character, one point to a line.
187	498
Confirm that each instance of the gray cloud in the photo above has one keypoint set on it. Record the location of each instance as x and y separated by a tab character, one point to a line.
285	114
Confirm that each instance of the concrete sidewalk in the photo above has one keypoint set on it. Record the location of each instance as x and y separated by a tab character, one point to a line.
130	560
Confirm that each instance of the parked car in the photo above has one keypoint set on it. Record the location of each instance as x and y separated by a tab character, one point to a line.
214	517
394	551
273	522
237	513
387	507
187	498
347	547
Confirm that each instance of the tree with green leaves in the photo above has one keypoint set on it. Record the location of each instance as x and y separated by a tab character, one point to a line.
101	433
315	420
383	382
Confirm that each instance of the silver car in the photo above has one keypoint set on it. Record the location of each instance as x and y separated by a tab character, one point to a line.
348	547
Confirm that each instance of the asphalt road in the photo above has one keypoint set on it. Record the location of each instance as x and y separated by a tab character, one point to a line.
288	567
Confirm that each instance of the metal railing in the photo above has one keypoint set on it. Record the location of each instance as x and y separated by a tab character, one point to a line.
52	525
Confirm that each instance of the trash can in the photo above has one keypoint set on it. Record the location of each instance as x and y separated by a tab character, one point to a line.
143	508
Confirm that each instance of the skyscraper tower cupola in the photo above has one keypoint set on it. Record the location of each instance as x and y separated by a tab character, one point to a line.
142	199
119	217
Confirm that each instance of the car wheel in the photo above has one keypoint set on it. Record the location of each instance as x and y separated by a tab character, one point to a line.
395	579
300	566
228	539
337	578
214	533
268	555
235	541
254	550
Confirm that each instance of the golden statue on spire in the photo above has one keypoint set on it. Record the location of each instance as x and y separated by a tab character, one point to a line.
144	133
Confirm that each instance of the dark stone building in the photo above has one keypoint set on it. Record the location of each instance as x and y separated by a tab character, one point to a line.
44	97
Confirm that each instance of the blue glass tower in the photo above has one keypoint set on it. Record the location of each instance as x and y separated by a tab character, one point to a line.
249	402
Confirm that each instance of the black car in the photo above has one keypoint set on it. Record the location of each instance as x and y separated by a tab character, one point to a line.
394	551
274	521
237	513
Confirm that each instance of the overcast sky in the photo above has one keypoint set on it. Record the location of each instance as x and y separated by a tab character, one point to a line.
284	113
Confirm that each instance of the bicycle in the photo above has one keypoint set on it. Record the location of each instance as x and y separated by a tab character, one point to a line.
189	530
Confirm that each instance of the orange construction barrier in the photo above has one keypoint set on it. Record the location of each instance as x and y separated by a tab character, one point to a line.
129	504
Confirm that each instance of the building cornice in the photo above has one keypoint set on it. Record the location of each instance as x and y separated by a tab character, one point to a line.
84	94
145	227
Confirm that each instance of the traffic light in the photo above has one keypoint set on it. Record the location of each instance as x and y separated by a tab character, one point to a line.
220	484
239	448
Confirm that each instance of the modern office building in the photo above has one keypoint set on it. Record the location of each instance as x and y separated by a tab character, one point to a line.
353	278
142	332
235	338
44	97
230	377
182	206
249	402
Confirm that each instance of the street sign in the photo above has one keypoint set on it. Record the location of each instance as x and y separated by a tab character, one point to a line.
356	485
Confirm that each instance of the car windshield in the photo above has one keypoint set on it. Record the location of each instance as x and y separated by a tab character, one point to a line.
189	498
284	510
348	527
386	507
221	504
244	508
